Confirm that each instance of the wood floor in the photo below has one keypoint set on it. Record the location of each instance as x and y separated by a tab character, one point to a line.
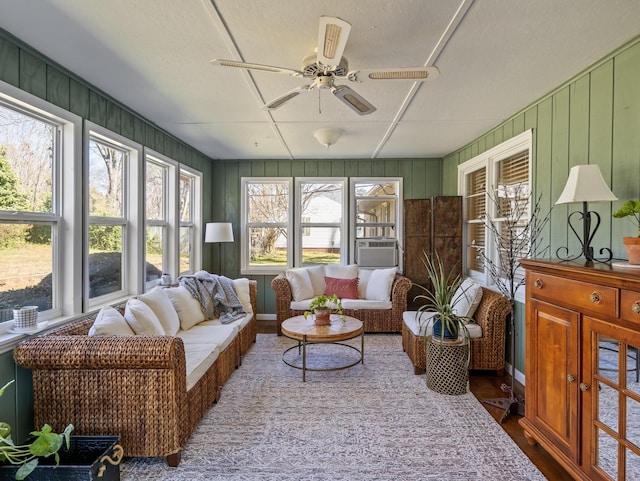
487	386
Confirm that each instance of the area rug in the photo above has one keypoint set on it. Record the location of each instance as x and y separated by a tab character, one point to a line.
373	421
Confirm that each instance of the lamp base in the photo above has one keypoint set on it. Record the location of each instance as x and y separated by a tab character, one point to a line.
587	216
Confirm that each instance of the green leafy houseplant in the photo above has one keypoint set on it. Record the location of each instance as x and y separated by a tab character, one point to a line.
441	299
332	303
43	444
631	209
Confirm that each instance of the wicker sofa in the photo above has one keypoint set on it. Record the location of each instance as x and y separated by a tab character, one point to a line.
143	388
377	316
487	351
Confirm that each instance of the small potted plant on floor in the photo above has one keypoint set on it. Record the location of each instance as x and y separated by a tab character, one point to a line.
322	306
631	210
44	443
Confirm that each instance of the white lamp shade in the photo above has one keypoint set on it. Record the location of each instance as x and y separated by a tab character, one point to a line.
218	232
585	184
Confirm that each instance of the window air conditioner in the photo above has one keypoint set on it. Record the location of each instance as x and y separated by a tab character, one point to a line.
377	253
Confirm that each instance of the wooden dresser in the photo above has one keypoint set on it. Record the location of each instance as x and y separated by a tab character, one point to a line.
582	395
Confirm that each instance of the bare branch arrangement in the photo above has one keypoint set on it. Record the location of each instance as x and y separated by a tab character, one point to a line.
516	230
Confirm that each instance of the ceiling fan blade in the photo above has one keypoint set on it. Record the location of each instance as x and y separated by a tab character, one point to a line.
255	66
284	98
414	74
353	100
333	33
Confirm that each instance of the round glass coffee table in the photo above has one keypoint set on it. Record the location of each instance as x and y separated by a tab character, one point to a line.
306	332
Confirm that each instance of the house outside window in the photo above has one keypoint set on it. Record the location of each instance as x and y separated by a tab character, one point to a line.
492	183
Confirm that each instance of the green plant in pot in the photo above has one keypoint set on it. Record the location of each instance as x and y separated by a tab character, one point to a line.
44	443
631	210
323	306
441	300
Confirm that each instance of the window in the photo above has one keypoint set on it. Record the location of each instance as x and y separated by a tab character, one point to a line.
156	218
112	204
267	207
189	215
495	184
321	220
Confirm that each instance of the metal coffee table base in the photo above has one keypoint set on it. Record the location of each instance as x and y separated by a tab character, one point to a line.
302	346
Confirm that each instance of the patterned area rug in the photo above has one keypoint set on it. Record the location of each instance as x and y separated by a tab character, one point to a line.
373	421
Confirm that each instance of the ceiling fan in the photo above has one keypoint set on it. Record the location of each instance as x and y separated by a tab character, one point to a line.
328	64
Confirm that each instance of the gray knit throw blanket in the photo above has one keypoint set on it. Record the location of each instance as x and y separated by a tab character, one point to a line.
216	295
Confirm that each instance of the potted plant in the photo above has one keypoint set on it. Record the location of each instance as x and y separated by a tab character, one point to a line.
322	306
44	443
441	300
631	209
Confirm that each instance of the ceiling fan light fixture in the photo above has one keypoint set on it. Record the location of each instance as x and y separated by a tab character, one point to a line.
327	136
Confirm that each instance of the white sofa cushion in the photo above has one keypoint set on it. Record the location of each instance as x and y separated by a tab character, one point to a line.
109	322
241	286
316	275
418	325
363	280
365	304
162	307
142	319
220	336
467	298
188	309
300	283
238	323
199	358
379	285
341	272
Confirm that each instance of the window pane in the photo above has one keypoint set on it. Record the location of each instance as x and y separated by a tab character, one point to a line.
321	203
25	271
363	232
321	246
186	261
106	168
186	189
369	189
105	264
154	249
267	246
154	196
26	157
268	202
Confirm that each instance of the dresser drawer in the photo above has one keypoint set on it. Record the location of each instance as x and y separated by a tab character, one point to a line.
630	305
581	295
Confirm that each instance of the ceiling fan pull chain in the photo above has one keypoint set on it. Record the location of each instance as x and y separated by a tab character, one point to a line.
319	107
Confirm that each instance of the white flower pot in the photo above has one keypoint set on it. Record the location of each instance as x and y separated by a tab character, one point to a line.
26	317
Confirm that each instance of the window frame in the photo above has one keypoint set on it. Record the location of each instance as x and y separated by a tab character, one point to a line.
300	225
245	226
490	161
195	223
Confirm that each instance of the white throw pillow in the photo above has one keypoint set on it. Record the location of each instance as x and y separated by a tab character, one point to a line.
467	298
364	275
188	309
379	285
300	283
141	319
109	322
162	307
241	287
341	272
316	274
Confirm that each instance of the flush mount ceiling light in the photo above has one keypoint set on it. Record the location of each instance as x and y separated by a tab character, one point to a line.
327	136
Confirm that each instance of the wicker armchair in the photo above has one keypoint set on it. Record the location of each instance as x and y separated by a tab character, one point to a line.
487	352
374	320
132	386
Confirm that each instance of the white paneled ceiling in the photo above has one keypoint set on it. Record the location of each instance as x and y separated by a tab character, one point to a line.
495	57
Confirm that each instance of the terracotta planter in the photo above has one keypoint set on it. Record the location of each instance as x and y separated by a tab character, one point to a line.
322	316
633	249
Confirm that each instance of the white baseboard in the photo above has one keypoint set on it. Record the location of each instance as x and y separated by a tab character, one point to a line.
266	317
519	376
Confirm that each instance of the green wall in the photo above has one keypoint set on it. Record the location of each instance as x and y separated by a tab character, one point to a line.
593	118
21	67
421	179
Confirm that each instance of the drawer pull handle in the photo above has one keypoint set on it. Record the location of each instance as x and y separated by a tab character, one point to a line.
538	284
595	297
584	387
571	378
636	307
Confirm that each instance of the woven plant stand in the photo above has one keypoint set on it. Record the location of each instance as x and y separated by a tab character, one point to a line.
447	366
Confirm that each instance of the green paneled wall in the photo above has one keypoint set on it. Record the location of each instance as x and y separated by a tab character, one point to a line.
421	179
29	71
592	119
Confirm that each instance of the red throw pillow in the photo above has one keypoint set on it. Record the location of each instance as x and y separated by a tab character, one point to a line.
343	288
